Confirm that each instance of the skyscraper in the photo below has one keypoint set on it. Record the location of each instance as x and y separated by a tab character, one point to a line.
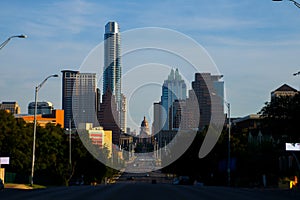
78	97
208	87
108	116
68	80
157	114
174	88
123	121
112	71
112	114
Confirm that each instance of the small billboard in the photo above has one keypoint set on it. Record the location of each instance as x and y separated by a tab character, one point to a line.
4	160
292	146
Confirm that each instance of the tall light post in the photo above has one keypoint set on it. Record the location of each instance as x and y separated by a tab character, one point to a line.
37	88
8	39
295	2
229	135
297	74
70	143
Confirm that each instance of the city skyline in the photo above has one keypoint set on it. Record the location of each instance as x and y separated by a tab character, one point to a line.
251	43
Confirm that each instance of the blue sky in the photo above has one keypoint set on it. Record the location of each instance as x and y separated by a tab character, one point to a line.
254	43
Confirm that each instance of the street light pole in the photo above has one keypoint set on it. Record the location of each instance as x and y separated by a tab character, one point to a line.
229	142
70	143
229	134
8	39
37	88
295	2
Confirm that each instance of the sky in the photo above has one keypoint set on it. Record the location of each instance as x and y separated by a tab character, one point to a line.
255	44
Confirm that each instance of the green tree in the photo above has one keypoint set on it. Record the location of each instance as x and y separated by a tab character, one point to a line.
280	117
52	153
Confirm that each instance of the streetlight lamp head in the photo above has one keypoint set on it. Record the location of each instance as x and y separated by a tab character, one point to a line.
22	36
276	0
55	75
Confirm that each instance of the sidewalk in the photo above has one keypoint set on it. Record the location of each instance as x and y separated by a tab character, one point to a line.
17	186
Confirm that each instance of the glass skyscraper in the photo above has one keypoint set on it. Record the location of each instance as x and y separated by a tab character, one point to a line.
112	114
112	61
174	88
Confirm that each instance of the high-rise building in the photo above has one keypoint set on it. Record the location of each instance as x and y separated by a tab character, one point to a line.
108	116
174	88
98	99
11	106
208	87
112	71
68	80
79	97
112	114
42	108
157	115
123	113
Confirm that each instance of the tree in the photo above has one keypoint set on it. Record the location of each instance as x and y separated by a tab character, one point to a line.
280	117
52	153
15	140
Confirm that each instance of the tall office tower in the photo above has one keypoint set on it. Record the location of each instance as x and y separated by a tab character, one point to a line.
98	100
11	106
68	80
123	113
112	71
157	114
207	88
174	88
112	115
79	98
108	116
42	108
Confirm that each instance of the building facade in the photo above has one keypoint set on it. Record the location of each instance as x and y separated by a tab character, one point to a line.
108	116
112	71
112	113
174	88
123	113
145	135
79	97
209	90
283	91
56	117
99	136
68	80
157	115
42	108
11	106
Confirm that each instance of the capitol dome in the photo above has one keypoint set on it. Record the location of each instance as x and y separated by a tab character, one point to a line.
144	123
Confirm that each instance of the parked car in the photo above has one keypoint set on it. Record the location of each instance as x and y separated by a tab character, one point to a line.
130	178
182	180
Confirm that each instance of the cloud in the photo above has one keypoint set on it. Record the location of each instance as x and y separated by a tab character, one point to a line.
71	17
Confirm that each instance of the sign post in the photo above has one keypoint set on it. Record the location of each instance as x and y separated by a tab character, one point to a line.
3	161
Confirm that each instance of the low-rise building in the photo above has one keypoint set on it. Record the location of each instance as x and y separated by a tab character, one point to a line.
42	108
99	136
11	106
56	117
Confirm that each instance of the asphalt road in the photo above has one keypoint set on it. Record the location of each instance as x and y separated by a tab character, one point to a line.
145	191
